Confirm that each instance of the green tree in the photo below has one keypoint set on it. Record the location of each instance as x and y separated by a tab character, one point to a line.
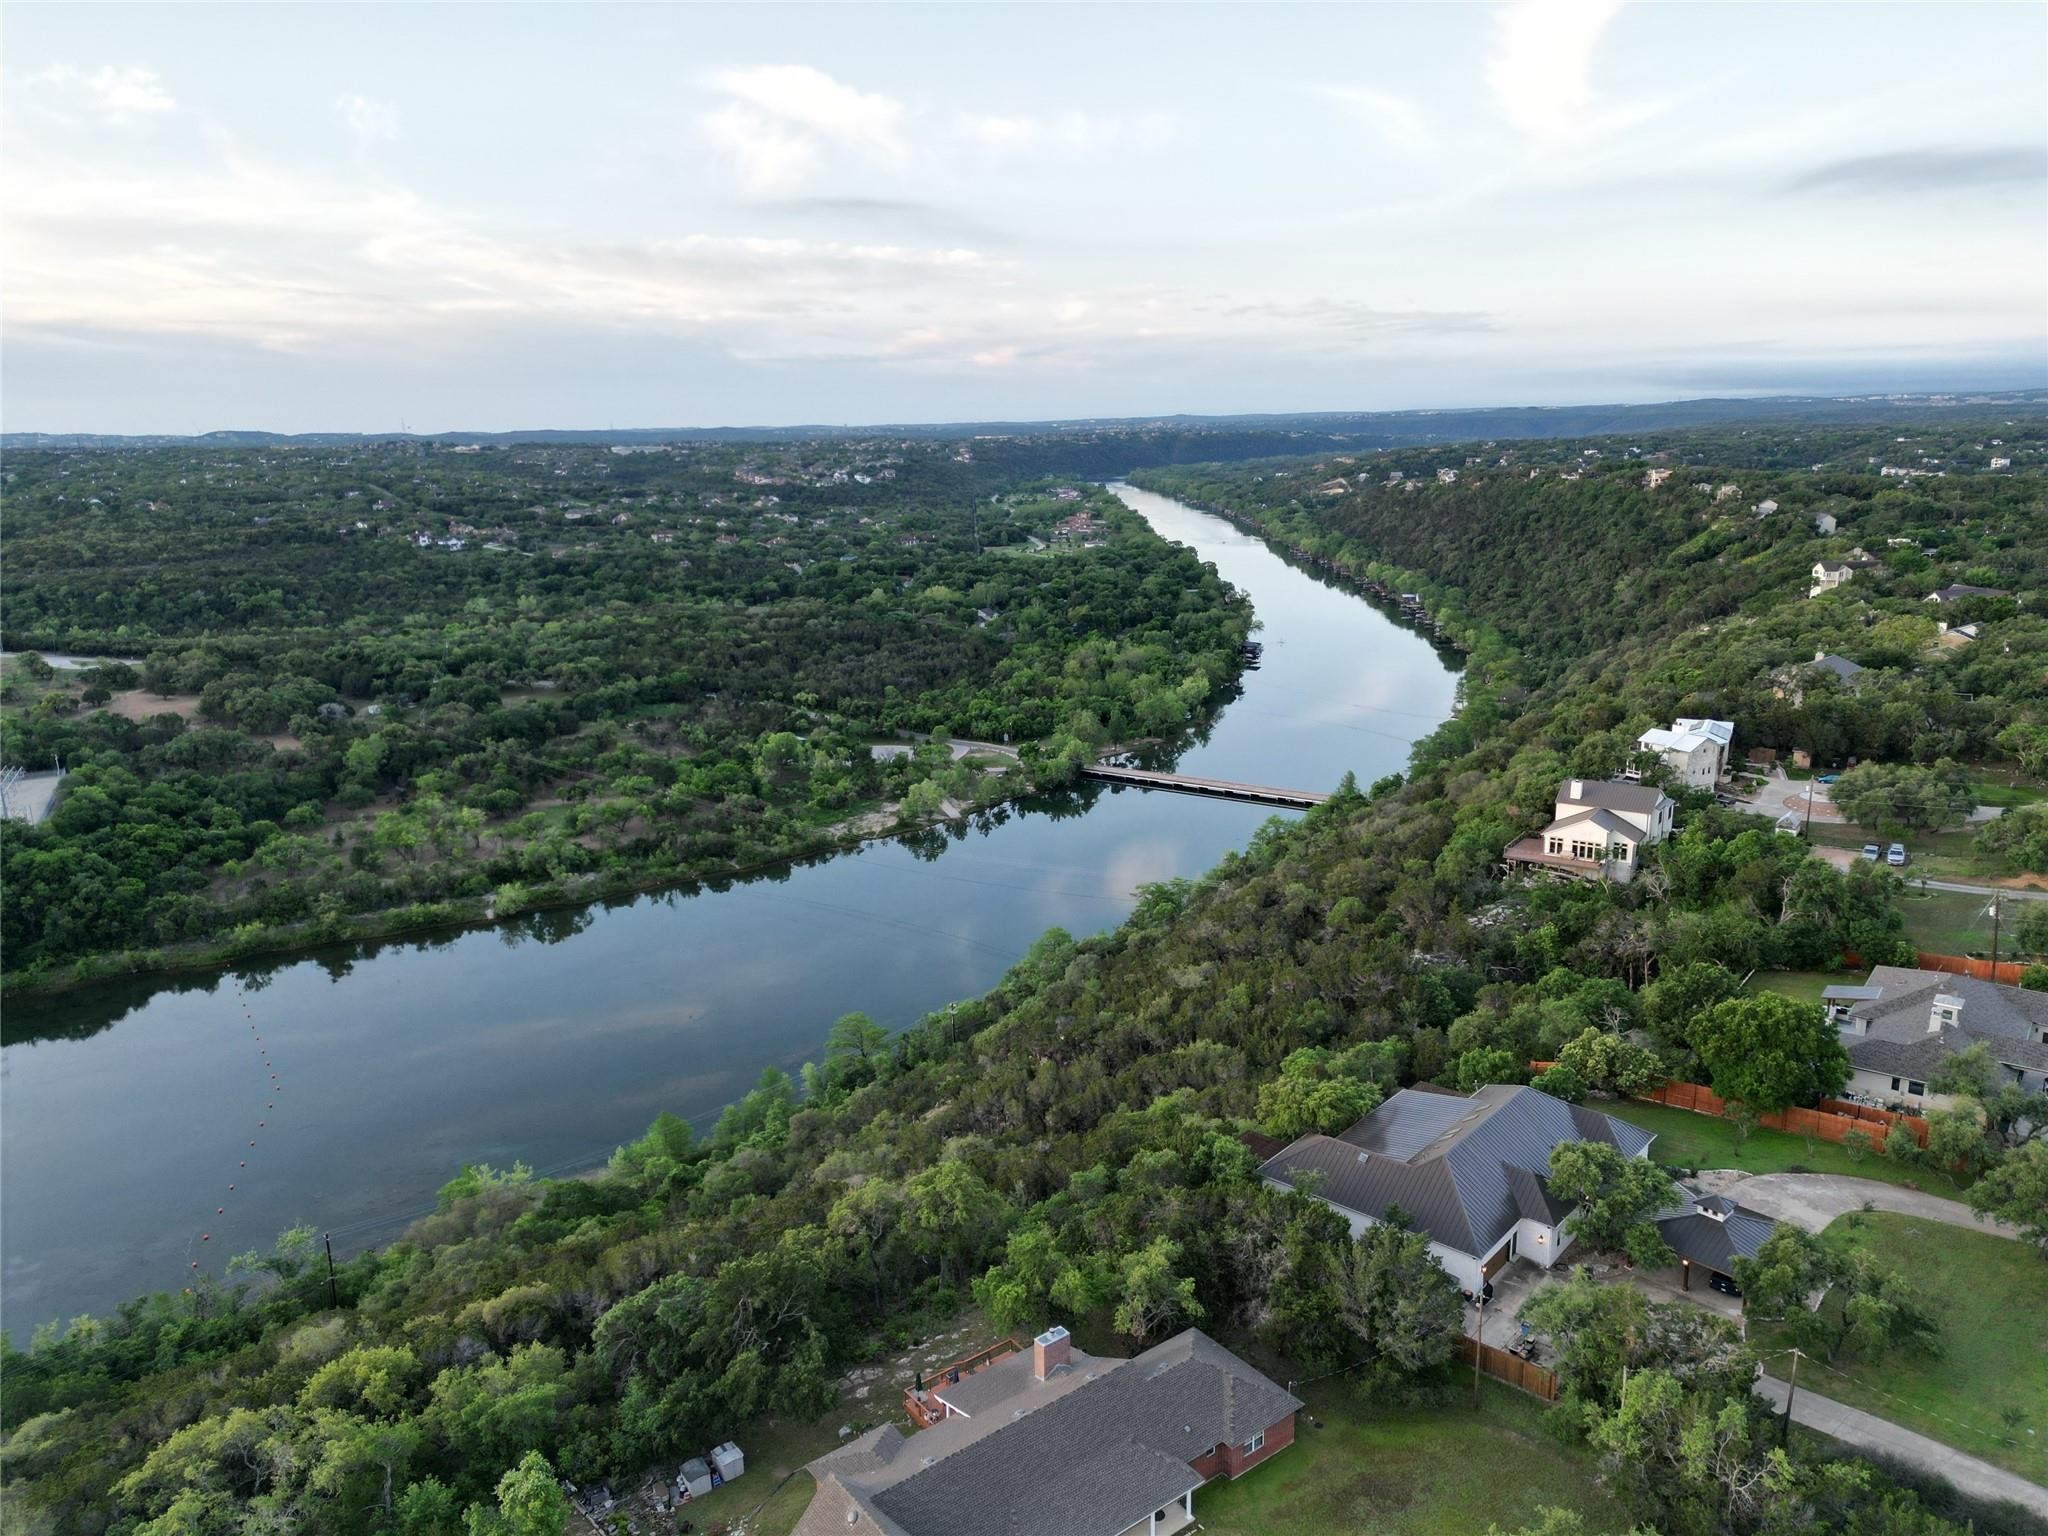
1310	1095
1399	1306
1614	1198
1770	1052
1609	1063
1151	1294
2016	1191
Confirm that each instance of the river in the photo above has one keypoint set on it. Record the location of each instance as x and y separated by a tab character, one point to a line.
341	1089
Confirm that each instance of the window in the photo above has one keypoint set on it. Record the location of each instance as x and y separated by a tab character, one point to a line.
1895	1085
1256	1444
1912	1087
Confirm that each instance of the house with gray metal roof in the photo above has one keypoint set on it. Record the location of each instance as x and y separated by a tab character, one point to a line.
1057	1442
1470	1173
1901	1025
1710	1233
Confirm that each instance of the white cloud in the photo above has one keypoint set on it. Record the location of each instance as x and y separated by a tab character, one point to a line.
809	98
117	93
1395	120
369	121
780	121
1541	65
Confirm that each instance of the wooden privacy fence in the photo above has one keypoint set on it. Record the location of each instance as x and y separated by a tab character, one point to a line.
1834	1120
1536	1380
2006	972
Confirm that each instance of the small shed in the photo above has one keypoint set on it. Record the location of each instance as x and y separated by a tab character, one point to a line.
695	1478
728	1462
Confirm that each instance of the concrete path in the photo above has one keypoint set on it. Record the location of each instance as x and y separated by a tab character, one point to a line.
1812	1200
1865	1432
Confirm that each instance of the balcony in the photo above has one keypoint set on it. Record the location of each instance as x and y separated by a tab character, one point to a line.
921	1403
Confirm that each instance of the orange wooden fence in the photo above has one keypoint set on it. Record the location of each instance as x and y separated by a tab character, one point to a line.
1536	1380
2006	972
1830	1123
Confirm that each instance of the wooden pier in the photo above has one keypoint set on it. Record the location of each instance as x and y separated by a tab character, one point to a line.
1219	789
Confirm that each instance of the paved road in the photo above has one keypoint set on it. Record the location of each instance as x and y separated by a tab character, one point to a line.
1866	1432
1982	890
1812	1200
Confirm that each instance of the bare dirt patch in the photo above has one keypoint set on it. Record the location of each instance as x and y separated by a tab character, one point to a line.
141	704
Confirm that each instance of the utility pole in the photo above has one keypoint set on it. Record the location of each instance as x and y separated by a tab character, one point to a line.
1479	1343
333	1299
1994	938
1791	1392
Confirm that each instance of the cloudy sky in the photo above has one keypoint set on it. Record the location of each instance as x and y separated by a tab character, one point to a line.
308	217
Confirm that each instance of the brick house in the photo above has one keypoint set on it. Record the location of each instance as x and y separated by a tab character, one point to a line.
1056	1442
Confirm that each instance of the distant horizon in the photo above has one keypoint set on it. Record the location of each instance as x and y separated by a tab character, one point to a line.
1961	392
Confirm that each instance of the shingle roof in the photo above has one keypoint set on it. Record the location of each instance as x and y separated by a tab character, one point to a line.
1949	594
1606	821
1896	1039
1092	1459
1841	666
1609	795
1463	1170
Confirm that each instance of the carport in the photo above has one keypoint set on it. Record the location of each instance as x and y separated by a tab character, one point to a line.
1710	1234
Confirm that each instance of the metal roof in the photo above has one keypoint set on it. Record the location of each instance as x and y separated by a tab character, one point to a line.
1463	1170
1716	1242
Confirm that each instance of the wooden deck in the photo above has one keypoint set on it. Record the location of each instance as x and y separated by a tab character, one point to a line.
921	1403
1219	789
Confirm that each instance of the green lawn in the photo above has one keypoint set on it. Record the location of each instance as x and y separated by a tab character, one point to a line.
1991	1295
1946	922
773	1448
1420	1472
1801	986
1687	1140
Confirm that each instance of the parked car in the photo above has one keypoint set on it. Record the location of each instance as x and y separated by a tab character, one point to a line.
1871	852
1724	1285
1827	778
1895	855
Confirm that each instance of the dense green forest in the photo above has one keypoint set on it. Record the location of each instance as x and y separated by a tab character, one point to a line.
366	687
1068	1147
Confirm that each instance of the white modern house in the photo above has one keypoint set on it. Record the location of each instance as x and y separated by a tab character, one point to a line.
1598	831
1470	1173
1696	750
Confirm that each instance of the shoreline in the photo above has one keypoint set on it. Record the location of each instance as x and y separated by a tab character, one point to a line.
463	914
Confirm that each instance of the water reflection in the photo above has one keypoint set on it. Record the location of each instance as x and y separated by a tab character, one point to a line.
553	1036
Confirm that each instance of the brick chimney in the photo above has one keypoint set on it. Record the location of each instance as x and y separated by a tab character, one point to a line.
1049	1351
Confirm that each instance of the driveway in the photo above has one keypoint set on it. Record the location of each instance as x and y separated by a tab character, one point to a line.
1515	1284
1866	1432
1812	1200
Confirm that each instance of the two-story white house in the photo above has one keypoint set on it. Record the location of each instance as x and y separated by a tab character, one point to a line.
1828	575
1696	750
1598	831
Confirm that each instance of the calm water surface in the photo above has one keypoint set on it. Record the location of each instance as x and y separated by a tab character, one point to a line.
370	1075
